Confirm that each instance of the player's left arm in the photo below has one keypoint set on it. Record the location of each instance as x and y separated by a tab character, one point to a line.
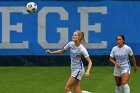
89	66
132	57
134	62
86	55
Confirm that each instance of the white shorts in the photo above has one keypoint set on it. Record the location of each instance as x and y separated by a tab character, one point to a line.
78	73
119	71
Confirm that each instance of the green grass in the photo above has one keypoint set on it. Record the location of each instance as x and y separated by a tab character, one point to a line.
53	79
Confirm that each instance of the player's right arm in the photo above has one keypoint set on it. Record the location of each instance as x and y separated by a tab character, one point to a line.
59	51
56	52
112	60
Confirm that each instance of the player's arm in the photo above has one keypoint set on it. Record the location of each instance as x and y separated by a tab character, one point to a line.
86	55
114	62
89	66
111	58
56	52
59	51
132	57
134	62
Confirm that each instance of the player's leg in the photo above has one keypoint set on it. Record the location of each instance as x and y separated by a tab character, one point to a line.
77	88
118	81
78	77
70	83
125	79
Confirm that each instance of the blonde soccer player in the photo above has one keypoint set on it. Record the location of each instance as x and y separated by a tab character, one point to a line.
119	56
77	69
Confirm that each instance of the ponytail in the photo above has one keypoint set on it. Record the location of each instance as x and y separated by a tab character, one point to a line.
81	35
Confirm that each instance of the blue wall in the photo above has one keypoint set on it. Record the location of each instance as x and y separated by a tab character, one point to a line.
119	17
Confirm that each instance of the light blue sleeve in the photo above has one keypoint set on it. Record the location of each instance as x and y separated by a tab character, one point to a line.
67	47
84	52
130	52
112	53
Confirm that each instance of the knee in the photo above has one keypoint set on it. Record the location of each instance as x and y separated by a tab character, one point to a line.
124	82
75	86
66	89
77	89
118	84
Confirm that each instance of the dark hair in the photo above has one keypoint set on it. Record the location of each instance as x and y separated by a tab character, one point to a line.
122	36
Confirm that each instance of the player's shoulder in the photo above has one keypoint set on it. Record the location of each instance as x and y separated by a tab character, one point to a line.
82	47
115	47
71	43
127	47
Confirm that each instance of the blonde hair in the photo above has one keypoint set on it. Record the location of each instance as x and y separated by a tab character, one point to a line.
81	35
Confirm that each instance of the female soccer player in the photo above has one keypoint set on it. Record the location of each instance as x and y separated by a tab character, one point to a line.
77	69
120	58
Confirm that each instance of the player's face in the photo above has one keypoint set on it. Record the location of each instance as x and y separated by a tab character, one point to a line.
120	41
75	37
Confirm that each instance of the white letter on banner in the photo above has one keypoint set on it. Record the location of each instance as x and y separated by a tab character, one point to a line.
42	27
85	27
7	28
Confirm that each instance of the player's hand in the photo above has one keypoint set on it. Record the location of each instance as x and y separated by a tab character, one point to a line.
48	51
117	65
87	74
135	69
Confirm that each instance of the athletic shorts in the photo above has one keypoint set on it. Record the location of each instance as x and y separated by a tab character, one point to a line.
78	73
119	71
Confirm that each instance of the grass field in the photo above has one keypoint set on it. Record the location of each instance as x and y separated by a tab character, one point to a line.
53	79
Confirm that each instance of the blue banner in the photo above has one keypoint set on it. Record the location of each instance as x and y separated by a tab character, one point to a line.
52	25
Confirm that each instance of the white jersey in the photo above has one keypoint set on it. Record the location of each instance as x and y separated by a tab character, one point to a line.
121	55
75	54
